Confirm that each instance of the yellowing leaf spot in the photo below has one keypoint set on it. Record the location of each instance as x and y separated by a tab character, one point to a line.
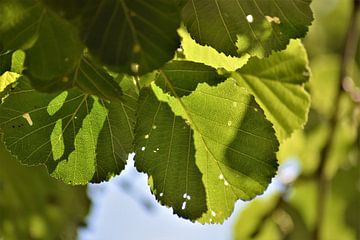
273	19
28	118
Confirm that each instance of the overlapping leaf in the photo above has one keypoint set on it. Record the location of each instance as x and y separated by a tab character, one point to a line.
235	145
136	36
165	150
208	55
277	83
79	137
52	45
256	27
185	76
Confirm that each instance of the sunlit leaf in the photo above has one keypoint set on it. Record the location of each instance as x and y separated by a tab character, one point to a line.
208	55
81	139
164	148
277	83
235	145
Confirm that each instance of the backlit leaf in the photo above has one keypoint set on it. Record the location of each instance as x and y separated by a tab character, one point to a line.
164	148
136	36
235	145
81	139
254	27
277	83
185	76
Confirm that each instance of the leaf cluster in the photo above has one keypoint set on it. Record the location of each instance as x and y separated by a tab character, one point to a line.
202	92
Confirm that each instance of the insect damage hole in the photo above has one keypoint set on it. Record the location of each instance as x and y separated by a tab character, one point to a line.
28	118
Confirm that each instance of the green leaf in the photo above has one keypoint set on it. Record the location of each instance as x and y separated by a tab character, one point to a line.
240	27
17	61
35	206
80	138
96	81
208	55
254	222
135	36
277	83
185	77
19	31
235	145
57	50
52	45
164	148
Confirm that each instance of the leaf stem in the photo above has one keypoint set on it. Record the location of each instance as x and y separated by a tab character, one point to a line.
137	83
347	59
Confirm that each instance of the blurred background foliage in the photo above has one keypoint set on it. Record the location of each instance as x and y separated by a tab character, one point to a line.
318	200
35	206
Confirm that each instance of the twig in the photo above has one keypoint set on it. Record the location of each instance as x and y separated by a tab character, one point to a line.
348	55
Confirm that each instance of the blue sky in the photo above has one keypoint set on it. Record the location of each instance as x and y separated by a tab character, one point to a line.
124	209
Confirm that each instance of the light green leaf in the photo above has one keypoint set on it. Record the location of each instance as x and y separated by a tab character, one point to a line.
235	145
17	61
208	55
164	148
80	138
185	76
135	36
6	79
277	83
247	27
254	221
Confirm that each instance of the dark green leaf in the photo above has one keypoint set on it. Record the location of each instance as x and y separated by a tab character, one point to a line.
256	27
185	76
52	45
79	137
136	36
96	81
165	150
57	49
